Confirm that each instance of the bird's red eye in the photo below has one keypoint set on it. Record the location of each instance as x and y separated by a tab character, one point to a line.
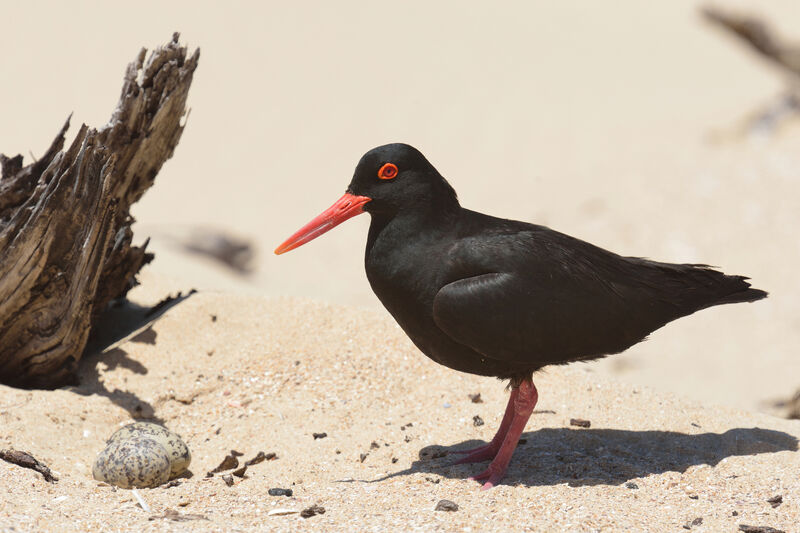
387	171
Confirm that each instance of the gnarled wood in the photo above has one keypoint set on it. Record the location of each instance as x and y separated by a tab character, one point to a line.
759	36
65	224
786	56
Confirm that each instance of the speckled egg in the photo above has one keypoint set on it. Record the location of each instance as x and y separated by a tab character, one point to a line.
134	462
179	455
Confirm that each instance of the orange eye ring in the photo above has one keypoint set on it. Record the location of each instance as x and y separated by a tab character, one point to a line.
387	171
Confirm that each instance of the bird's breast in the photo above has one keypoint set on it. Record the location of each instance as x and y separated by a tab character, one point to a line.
406	273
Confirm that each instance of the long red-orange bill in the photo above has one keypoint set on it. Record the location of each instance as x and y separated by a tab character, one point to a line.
345	207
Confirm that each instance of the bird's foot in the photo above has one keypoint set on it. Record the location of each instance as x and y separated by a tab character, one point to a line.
491	476
481	453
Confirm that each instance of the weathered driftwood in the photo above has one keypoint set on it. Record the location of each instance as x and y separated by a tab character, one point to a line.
65	224
790	407
759	36
785	56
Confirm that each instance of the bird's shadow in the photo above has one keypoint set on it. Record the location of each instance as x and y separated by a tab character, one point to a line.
579	457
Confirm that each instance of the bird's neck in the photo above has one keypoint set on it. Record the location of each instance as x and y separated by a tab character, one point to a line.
410	225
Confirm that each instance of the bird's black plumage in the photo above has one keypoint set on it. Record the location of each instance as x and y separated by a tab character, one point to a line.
504	298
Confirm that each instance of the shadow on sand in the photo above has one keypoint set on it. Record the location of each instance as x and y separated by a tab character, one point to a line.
126	321
554	456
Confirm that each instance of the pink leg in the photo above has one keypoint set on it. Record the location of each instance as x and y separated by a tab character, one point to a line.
524	403
488	451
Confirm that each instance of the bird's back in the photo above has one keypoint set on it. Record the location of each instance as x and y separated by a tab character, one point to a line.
522	292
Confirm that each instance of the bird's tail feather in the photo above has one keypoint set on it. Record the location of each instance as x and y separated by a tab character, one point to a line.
747	295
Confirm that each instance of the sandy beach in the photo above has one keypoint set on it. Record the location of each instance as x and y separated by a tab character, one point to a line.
622	125
353	375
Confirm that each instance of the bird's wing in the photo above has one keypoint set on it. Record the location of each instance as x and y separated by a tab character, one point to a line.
542	303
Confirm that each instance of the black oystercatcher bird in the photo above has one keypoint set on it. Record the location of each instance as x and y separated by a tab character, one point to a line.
502	298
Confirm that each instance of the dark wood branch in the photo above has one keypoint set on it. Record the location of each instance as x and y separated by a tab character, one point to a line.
759	36
26	460
65	224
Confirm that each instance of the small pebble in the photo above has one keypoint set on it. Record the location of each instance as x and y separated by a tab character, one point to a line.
446	405
280	492
319	435
363	456
261	456
775	500
229	463
759	529
446	505
228	479
374	445
477	420
579	422
475	398
315	509
394	459
631	485
696	522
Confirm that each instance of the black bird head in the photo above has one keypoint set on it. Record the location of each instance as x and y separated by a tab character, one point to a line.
390	179
397	177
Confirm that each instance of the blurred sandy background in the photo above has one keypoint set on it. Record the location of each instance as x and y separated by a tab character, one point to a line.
613	122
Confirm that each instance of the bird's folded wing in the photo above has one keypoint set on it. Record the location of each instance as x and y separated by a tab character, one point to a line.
515	318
